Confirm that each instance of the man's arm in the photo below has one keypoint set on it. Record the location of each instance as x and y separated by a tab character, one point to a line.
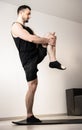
18	31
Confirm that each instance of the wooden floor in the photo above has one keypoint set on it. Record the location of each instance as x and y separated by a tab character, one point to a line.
7	125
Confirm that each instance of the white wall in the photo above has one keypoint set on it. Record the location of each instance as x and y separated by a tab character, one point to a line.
50	97
81	32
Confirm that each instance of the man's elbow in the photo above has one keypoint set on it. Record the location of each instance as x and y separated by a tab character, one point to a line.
31	39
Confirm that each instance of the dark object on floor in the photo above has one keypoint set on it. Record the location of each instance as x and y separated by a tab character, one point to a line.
74	101
50	122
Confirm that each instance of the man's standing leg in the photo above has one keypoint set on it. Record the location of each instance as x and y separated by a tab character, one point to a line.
29	100
32	85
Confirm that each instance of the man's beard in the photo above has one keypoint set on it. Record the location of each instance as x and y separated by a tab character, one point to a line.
26	21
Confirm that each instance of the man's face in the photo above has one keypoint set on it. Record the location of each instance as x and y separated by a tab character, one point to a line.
26	14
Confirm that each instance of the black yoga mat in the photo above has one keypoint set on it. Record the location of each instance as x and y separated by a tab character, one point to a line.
50	122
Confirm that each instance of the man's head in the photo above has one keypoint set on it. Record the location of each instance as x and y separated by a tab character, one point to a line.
24	12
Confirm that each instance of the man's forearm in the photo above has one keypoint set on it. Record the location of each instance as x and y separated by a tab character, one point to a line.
39	40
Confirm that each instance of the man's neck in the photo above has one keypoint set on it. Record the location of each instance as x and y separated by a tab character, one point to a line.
19	20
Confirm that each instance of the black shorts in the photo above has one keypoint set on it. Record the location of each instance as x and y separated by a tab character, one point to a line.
31	67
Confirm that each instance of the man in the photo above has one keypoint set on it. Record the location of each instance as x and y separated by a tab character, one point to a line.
32	50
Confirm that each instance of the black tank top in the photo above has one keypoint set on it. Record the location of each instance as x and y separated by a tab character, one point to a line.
27	50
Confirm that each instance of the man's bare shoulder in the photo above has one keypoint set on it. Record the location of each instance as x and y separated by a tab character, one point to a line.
16	25
15	29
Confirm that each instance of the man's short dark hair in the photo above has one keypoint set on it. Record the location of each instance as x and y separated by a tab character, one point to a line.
23	7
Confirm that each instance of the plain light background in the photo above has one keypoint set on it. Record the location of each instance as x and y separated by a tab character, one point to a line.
50	96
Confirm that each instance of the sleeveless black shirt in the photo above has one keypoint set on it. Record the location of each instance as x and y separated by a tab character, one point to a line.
27	50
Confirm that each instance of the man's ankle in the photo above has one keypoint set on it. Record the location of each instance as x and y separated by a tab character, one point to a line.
53	59
29	115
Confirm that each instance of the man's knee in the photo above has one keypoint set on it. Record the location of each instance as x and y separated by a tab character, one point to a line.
33	85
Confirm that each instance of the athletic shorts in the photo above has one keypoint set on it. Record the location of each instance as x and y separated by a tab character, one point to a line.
31	67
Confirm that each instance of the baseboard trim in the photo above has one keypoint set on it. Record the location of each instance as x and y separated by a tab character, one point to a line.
22	117
11	118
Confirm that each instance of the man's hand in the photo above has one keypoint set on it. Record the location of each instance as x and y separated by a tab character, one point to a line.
52	38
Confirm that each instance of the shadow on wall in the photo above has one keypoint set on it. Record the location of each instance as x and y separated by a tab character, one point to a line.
74	73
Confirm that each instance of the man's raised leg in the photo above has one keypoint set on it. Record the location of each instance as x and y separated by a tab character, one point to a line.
52	56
